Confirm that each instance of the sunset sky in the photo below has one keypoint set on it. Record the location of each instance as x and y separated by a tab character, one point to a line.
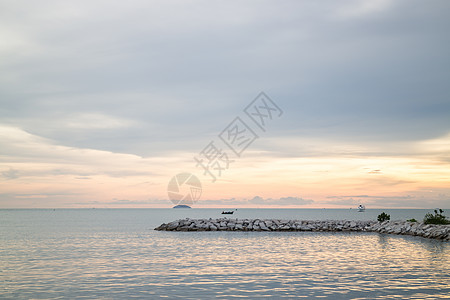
103	102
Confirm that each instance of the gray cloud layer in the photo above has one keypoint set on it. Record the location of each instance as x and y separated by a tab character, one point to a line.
147	77
160	79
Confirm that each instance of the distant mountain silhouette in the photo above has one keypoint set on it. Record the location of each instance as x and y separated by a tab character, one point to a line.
181	206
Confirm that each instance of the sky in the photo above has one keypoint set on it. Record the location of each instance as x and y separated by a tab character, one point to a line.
102	103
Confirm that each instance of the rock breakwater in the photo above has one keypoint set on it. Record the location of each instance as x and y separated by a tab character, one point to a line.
440	232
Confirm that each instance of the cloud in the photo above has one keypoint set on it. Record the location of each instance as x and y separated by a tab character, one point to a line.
10	174
421	198
374	172
343	201
126	203
30	196
294	201
31	163
186	74
257	201
363	8
28	149
96	121
128	93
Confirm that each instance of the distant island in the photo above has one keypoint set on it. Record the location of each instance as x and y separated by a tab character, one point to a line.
181	206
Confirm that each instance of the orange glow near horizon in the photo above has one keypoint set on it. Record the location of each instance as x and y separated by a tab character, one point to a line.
92	178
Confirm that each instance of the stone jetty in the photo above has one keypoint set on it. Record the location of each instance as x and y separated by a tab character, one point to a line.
440	232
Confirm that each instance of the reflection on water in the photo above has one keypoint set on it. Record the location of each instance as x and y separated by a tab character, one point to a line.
135	261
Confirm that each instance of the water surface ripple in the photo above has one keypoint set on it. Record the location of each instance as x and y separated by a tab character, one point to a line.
107	255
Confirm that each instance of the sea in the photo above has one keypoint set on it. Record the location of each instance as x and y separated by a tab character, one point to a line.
117	254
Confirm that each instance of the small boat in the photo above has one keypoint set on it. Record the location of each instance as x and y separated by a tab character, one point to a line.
227	212
361	208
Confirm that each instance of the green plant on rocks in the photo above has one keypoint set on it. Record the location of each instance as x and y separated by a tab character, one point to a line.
438	218
383	217
412	220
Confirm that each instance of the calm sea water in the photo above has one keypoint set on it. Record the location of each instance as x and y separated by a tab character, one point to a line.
116	254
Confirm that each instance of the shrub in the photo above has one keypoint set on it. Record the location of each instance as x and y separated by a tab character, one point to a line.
383	217
412	220
437	218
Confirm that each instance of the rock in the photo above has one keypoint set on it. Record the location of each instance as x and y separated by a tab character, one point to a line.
173	225
285	227
263	226
440	232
